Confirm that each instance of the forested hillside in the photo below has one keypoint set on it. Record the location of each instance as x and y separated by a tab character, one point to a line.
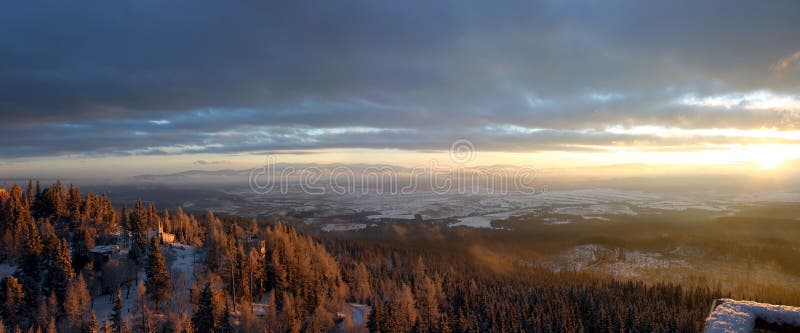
72	262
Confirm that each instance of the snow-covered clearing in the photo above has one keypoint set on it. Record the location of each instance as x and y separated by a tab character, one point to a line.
181	258
619	262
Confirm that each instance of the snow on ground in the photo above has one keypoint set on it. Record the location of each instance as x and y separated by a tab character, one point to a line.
576	259
553	221
102	304
635	262
621	263
7	269
389	215
740	316
790	197
343	227
595	196
360	312
183	259
680	205
502	215
601	218
473	221
589	203
600	209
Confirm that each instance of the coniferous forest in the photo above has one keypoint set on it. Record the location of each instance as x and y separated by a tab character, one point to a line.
76	262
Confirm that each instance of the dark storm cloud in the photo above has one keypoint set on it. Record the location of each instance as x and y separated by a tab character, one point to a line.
152	77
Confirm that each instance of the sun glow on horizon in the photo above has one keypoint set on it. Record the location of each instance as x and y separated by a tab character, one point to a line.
595	161
771	157
770	162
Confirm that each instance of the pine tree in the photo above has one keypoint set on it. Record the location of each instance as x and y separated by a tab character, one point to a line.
14	216
158	279
290	316
76	302
60	272
375	319
204	318
12	299
30	269
29	194
116	315
427	301
52	306
52	201
82	241
361	290
136	224
91	326
36	205
402	309
271	317
51	326
225	322
74	203
152	217
276	274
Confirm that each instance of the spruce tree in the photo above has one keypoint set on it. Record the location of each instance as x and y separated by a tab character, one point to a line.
116	316
136	224
76	303
60	272
92	326
204	320
82	242
158	279
29	194
74	203
11	300
30	265
36	205
51	326
225	322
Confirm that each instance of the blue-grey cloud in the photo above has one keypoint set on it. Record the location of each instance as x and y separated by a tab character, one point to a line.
147	77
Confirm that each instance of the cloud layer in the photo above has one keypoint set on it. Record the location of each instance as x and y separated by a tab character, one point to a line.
148	77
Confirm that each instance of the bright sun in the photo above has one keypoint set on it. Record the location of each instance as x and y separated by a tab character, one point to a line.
770	157
770	162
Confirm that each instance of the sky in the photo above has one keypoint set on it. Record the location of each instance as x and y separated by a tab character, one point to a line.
129	87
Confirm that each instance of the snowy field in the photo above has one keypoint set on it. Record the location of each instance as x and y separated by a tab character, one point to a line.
621	263
479	210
